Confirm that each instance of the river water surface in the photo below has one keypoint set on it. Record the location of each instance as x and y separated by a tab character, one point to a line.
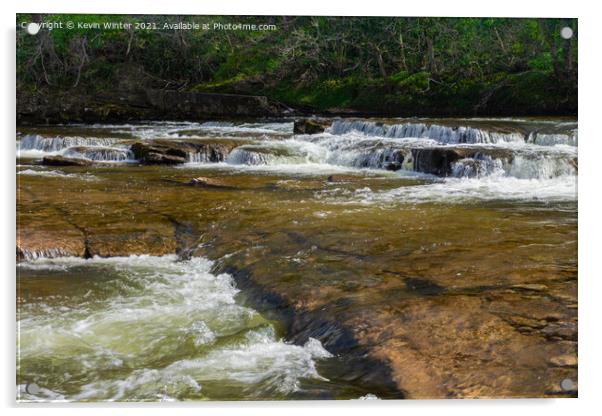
428	278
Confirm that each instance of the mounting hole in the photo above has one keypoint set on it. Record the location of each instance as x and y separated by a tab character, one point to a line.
566	32
32	388
32	28
566	384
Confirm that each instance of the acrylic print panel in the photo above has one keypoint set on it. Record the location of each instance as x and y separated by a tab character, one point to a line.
295	207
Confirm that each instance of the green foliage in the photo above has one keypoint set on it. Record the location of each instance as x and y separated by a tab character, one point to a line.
542	62
366	63
413	83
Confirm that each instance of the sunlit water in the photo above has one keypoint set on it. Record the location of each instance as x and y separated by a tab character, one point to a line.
162	328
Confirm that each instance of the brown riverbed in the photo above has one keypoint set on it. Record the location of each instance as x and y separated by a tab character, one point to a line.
415	298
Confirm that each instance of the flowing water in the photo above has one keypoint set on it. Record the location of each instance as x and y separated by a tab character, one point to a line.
149	328
342	225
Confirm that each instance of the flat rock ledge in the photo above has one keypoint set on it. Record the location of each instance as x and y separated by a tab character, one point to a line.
65	161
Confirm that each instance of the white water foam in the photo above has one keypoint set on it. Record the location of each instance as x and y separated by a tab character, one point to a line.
442	134
148	328
456	135
462	191
56	174
183	129
366	146
553	139
91	148
55	144
99	153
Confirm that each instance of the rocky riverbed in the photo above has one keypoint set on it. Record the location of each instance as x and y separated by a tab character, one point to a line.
400	258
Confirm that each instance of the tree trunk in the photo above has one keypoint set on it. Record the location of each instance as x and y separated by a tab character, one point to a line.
431	55
402	47
381	64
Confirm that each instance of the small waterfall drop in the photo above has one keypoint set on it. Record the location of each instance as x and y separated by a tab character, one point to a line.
442	134
55	144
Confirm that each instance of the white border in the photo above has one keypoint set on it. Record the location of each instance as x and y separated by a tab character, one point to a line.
590	132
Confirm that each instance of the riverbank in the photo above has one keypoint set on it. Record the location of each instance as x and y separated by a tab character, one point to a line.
527	95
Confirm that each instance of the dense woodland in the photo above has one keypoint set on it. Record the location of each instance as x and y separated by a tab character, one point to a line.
405	65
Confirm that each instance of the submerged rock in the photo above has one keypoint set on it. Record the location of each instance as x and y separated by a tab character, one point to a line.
343	178
207	182
64	161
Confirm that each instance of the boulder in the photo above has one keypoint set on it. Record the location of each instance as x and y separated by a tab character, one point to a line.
155	158
439	160
436	161
64	161
170	152
393	166
309	126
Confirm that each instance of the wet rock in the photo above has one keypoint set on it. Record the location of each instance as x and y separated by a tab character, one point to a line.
393	166
170	152
343	178
561	331
207	182
440	160
309	126
423	287
437	161
156	153
566	360
64	161
33	244
157	158
531	286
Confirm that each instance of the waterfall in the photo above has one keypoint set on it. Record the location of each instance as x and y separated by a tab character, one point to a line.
477	166
374	157
461	160
550	139
461	152
208	154
50	253
442	134
541	166
519	166
110	154
217	124
91	148
242	156
55	144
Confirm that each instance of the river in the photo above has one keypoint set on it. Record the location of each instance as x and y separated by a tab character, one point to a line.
390	258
